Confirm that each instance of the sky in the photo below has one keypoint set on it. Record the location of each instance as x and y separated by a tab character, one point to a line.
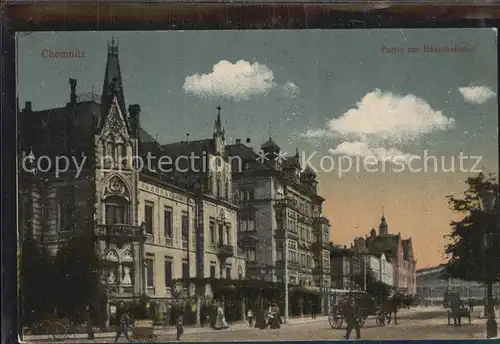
374	99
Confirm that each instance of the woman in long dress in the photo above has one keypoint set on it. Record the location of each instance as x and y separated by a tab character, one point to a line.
220	322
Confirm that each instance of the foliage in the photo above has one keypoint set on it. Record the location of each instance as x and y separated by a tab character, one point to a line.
468	234
377	289
37	281
139	309
77	278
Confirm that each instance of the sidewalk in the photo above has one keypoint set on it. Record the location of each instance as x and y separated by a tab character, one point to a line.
165	331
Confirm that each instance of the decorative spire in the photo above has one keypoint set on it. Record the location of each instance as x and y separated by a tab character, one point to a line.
218	122
383	227
113	85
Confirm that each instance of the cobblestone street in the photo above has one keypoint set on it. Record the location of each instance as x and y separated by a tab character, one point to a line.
412	324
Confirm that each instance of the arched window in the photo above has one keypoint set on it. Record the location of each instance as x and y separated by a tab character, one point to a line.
127	266
116	210
111	274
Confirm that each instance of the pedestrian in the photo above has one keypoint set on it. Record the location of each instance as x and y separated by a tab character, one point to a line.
313	310
456	307
90	326
351	314
123	326
250	317
179	325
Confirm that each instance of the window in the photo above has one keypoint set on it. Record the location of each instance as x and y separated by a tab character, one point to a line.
219	187
279	255
167	222
212	271
185	227
226	190
185	274
247	194
212	233
228	234
150	272
221	234
116	211
148	217
251	255
228	273
168	273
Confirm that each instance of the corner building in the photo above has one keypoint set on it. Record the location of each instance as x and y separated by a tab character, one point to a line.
281	218
165	235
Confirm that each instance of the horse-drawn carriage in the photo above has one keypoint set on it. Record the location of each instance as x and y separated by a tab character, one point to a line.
366	304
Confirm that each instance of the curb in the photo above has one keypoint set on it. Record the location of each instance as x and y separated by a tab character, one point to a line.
187	330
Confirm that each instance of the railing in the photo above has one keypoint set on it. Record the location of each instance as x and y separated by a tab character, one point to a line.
225	250
118	229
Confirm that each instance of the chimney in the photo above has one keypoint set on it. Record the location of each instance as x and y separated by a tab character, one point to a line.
72	97
238	141
134	113
27	106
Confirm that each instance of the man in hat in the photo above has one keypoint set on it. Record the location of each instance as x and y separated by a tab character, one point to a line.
351	314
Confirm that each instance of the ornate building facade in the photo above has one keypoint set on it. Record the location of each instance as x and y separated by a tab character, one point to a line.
152	226
397	251
281	214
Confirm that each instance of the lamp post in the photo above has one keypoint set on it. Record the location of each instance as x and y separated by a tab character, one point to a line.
487	198
285	317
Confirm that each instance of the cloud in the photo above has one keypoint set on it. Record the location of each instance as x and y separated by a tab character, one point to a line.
476	94
237	81
290	90
376	154
315	133
392	117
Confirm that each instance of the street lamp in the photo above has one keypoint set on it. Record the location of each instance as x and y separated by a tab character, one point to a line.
487	199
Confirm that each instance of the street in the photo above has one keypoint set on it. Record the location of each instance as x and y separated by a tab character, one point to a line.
420	323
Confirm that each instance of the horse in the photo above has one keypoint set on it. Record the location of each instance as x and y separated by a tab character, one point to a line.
391	306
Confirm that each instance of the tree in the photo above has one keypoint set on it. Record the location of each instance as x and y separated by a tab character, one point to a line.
37	277
377	289
78	280
467	234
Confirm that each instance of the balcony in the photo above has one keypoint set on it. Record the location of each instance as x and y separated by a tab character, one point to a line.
225	251
120	230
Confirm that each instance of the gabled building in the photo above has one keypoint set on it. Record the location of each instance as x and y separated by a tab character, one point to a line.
157	228
399	252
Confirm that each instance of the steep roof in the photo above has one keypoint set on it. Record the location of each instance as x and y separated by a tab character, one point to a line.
113	82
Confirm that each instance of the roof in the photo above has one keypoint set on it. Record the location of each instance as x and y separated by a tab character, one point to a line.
52	131
111	72
431	270
270	145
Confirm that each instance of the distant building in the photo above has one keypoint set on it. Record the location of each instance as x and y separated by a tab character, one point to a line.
431	286
397	251
382	268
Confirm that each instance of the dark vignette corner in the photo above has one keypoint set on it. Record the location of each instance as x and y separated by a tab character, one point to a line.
8	190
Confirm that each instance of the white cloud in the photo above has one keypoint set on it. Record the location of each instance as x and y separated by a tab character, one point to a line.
476	94
290	90
376	154
389	116
237	81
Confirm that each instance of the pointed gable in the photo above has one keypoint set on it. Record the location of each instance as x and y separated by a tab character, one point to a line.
115	123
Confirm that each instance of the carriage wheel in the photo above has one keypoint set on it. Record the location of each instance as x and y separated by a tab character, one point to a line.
58	331
335	320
